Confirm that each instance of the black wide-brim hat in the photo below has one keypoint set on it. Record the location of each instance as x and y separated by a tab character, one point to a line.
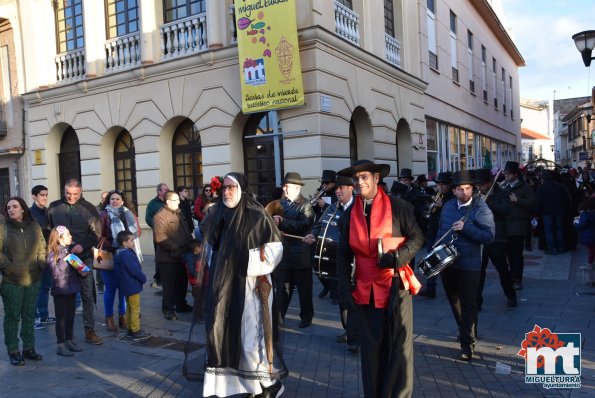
512	167
482	176
406	173
343	180
328	175
365	165
293	178
398	187
463	177
444	178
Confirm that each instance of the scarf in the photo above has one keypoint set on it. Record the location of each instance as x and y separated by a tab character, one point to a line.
122	219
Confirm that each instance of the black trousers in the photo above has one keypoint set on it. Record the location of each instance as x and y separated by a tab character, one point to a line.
461	290
331	285
387	351
285	280
174	282
515	256
495	252
64	307
350	322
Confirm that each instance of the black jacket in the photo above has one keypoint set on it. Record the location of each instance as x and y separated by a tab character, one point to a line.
522	210
298	217
500	205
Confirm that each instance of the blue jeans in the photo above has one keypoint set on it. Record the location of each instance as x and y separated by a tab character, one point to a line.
553	226
110	281
43	295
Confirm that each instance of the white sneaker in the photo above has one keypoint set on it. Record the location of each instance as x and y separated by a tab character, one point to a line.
38	325
79	309
588	266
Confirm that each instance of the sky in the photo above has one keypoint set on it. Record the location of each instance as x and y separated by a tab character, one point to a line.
542	31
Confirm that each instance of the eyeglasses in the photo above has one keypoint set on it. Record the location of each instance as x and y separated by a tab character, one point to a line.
229	187
362	177
208	190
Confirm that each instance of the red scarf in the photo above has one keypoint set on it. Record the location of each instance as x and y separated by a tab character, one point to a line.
368	275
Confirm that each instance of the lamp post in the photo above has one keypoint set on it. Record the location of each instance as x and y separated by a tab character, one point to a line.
585	42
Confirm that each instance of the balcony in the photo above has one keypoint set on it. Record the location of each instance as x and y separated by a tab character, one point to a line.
346	23
122	53
70	66
184	37
393	50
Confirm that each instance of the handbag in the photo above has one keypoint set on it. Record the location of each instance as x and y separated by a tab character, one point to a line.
102	259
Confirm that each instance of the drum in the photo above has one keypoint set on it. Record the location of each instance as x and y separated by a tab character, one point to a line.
325	255
438	259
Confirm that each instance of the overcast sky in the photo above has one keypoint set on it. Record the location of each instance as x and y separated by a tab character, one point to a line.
542	30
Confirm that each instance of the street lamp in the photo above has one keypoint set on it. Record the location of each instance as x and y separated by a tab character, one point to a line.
585	41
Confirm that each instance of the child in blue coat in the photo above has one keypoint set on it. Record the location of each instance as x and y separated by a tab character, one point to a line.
585	224
131	280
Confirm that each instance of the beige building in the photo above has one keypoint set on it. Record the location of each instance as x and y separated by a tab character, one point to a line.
130	93
13	166
472	101
537	134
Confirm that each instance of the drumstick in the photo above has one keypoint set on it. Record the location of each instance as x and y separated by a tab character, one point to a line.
292	236
444	236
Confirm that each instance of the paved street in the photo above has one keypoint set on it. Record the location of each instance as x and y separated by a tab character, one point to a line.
555	296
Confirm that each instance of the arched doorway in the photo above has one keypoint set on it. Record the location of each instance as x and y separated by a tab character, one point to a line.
125	166
187	157
352	142
259	154
404	145
69	158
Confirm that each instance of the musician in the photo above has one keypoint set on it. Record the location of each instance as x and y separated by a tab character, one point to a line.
471	219
327	227
411	192
383	287
242	247
326	196
295	268
444	185
499	204
524	204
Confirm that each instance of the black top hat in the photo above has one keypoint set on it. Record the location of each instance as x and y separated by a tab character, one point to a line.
512	167
406	173
328	175
483	175
343	180
421	178
398	187
293	178
463	177
365	165
444	178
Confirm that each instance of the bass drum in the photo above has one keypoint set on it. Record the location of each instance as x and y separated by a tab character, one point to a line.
438	259
325	255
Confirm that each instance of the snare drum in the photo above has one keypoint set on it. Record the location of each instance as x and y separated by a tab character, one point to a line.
325	256
438	259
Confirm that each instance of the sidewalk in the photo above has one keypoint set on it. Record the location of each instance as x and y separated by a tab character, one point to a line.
555	296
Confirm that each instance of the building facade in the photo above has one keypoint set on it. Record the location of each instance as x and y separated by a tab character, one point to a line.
472	101
537	134
13	165
129	93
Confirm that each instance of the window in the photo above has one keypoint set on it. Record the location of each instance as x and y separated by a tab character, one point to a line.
187	157
453	47
484	74
122	17
346	3
470	61
389	18
179	9
69	25
125	166
432	146
503	91
431	21
510	95
494	83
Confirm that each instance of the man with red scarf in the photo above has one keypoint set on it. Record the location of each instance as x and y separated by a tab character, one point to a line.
381	233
